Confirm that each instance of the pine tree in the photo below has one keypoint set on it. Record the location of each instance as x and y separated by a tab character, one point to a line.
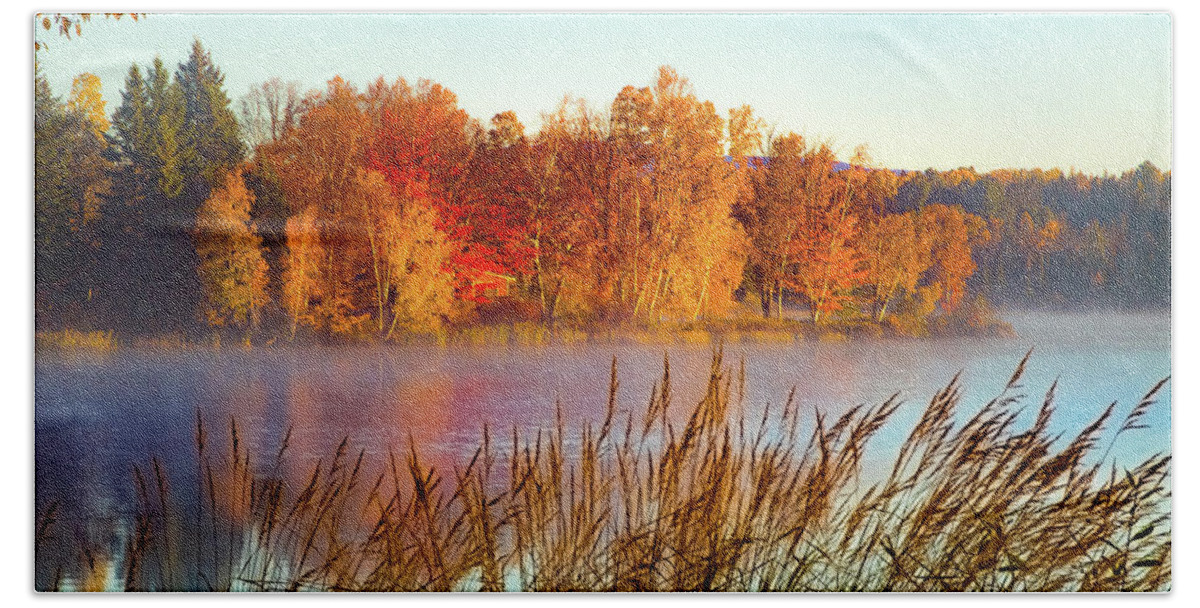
210	126
169	150
149	236
70	180
131	126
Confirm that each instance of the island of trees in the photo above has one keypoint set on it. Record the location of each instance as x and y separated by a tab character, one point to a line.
387	212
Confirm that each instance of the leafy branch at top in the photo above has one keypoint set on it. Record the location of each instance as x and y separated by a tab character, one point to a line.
73	22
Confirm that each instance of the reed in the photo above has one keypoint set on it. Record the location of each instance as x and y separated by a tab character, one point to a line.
72	339
701	500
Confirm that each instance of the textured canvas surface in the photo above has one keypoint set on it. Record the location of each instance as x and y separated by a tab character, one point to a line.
603	302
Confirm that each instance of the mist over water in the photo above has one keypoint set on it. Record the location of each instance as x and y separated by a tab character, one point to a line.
96	417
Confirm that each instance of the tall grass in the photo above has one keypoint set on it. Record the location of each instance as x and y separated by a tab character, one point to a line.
72	339
707	501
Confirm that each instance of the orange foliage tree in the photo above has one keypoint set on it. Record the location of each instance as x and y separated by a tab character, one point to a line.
367	253
303	280
678	253
951	234
317	164
825	265
774	216
568	173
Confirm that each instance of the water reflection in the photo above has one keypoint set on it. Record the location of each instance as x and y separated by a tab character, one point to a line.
95	419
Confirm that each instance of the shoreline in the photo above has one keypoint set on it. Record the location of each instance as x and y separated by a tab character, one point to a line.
526	333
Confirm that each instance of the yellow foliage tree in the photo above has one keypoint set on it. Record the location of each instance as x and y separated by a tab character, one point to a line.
896	255
86	101
302	276
668	210
408	256
232	270
420	289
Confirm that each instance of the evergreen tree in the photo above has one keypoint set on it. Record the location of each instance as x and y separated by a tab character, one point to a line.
130	122
210	125
149	236
70	180
176	139
171	153
149	139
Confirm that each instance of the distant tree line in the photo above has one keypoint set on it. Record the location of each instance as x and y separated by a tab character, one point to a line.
1061	239
388	210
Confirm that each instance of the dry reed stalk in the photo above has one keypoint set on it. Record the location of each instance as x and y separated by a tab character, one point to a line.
971	503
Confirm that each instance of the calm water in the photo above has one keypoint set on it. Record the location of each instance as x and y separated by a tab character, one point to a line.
98	416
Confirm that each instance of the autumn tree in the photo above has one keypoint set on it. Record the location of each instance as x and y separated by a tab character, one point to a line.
828	266
317	164
896	255
568	176
416	289
492	203
304	262
424	145
774	213
86	101
951	234
412	289
506	131
70	171
670	205
745	133
366	253
231	266
806	226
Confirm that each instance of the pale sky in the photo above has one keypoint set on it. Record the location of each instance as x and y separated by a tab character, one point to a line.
1090	91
